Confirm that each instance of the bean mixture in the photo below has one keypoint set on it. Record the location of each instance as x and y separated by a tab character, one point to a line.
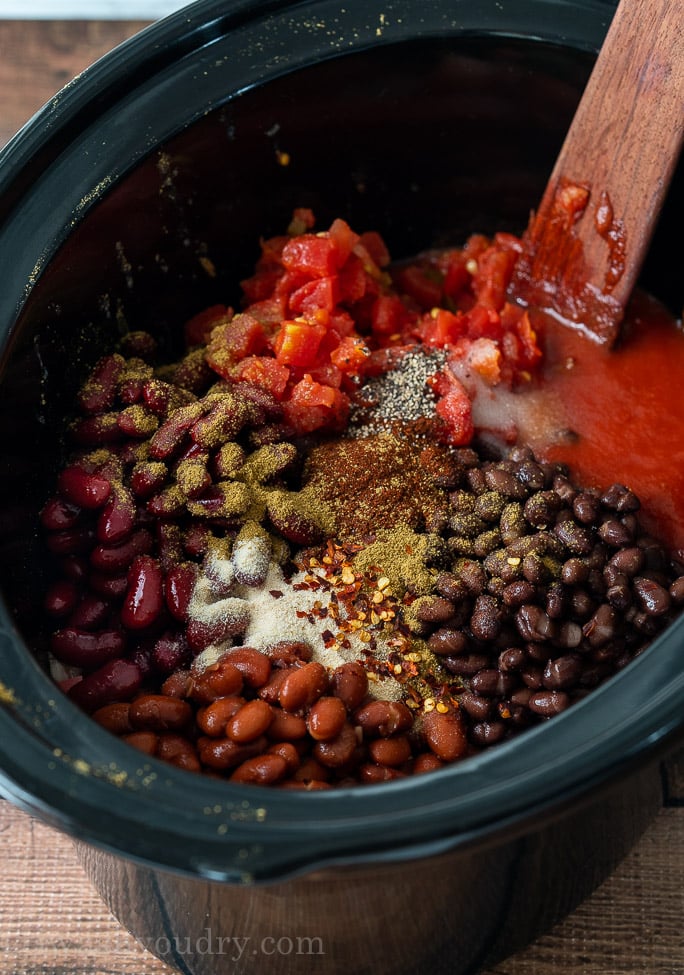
288	559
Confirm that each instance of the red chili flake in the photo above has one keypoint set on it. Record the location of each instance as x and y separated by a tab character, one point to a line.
276	593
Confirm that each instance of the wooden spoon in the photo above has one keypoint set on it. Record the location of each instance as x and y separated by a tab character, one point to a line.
583	249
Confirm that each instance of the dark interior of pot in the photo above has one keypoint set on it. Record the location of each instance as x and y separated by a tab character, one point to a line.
425	141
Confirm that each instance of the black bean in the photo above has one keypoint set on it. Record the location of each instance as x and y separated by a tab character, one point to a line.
619	498
477	707
437	522
466	665
601	627
614	533
563	672
532	677
518	592
490	682
653	598
488	733
434	609
473	576
564	489
486	542
446	642
548	703
655	558
574	571
677	590
585	507
534	568
476	480
451	587
485	623
505	483
583	605
533	623
512	659
490	505
541	509
462	502
513	523
466	524
569	635
619	594
577	538
521	696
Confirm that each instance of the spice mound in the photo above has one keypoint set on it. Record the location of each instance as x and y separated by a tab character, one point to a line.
283	560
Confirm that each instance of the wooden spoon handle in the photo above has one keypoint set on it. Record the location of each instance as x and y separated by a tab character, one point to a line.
583	250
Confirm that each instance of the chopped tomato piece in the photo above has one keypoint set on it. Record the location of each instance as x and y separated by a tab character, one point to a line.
314	405
198	328
344	238
375	247
485	358
422	283
321	293
296	343
441	327
351	355
388	315
264	371
232	341
455	409
315	255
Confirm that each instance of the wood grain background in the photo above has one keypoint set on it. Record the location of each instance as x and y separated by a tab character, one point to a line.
51	920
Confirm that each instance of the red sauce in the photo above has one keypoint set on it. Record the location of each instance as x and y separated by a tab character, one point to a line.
625	408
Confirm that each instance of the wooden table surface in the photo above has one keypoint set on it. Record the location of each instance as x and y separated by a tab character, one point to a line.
51	920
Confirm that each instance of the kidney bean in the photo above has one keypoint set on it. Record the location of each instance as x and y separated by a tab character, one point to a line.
156	712
177	684
250	722
61	598
254	666
287	751
119	558
261	770
393	752
146	742
311	771
178	751
213	718
339	751
96	431
117	519
222	679
58	515
383	718
445	734
349	682
426	762
115	680
372	774
148	478
82	648
75	568
326	718
179	584
286	726
144	598
653	598
170	435
303	686
91	613
71	541
224	753
114	718
548	703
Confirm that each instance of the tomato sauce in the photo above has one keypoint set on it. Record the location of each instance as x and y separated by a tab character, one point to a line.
619	413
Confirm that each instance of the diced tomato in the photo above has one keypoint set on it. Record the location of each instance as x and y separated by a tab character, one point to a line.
375	246
318	256
422	283
261	285
264	371
296	343
353	279
531	353
344	238
494	268
197	329
351	355
270	311
483	323
455	409
388	316
456	277
441	327
232	341
321	293
313	405
328	375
